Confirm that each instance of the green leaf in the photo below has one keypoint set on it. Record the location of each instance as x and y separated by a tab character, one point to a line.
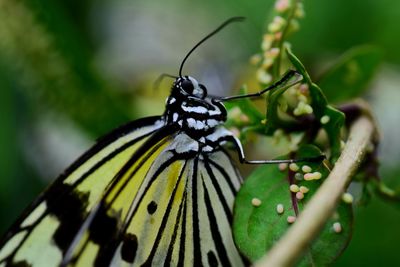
351	74
321	108
256	229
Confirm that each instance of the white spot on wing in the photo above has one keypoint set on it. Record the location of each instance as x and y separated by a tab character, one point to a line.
12	244
32	252
34	215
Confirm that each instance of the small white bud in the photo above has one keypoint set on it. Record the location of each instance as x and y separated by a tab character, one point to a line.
280	209
312	176
294	188
298	176
282	5
294	167
299	195
325	119
282	166
256	202
304	189
337	227
347	198
291	219
306	168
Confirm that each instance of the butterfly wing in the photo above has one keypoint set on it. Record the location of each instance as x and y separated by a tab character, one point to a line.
171	211
132	201
217	184
188	224
51	222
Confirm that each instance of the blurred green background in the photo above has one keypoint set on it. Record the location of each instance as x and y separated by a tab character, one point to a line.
71	71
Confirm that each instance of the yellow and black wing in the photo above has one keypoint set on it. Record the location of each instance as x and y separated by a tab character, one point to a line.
46	228
132	201
183	215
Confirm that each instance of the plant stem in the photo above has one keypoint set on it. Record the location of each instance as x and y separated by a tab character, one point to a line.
277	67
321	207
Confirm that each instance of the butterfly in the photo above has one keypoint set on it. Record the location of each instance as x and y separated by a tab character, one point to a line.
157	191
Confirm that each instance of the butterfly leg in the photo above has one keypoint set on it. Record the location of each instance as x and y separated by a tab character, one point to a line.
283	81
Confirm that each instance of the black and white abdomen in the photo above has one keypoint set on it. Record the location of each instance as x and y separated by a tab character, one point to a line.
201	119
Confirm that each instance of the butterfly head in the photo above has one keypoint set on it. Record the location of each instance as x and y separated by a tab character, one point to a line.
189	86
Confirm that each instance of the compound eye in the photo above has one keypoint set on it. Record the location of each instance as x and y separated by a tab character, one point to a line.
187	86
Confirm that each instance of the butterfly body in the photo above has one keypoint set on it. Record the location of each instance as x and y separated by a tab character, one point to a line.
199	118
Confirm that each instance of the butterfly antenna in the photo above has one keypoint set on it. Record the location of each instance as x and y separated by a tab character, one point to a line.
233	19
